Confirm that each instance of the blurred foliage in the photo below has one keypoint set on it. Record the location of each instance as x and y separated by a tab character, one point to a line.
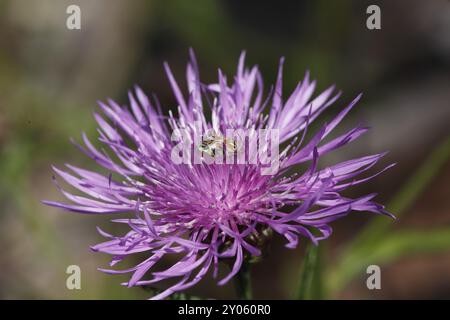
378	244
50	79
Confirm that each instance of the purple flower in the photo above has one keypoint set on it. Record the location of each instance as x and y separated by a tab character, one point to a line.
206	213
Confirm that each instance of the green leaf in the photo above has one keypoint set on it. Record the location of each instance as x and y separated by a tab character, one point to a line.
372	239
410	242
406	197
310	276
393	247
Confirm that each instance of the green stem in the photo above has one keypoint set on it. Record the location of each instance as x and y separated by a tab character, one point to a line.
242	282
310	275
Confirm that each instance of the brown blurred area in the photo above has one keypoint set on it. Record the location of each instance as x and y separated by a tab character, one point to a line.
52	77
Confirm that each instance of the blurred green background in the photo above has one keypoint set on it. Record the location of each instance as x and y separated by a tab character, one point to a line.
51	78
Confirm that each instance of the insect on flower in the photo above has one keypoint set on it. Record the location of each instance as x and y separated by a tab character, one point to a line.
205	213
214	142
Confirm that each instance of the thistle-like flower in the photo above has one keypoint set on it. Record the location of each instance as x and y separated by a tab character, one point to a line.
204	212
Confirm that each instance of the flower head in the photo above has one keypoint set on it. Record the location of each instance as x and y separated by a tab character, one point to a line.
205	212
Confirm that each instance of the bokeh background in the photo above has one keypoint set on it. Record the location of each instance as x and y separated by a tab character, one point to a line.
51	78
